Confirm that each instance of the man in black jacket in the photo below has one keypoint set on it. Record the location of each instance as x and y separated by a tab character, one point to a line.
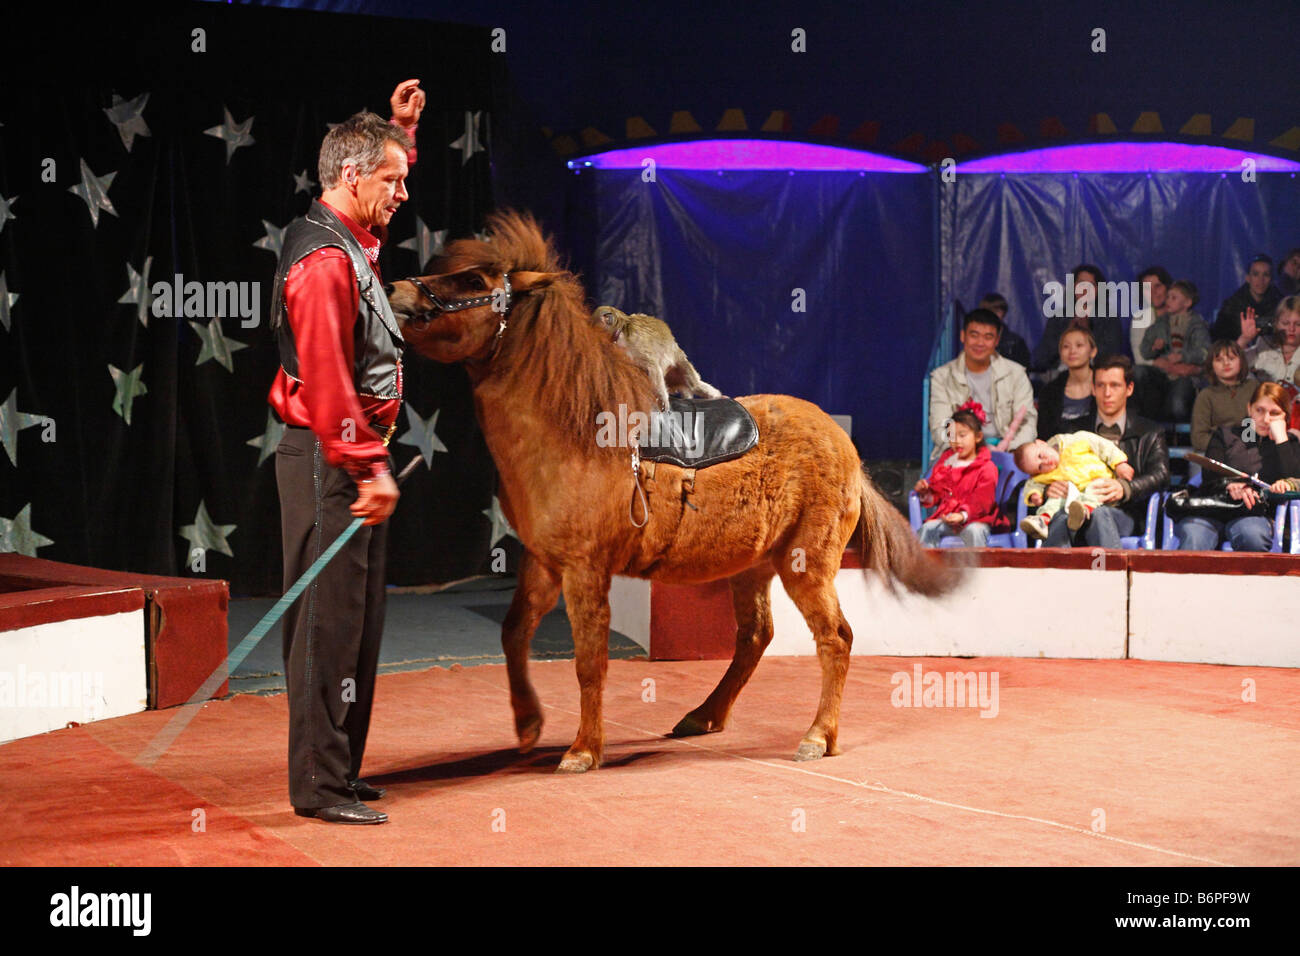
1236	320
1124	513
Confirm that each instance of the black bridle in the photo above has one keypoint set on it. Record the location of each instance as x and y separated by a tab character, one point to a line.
441	305
459	305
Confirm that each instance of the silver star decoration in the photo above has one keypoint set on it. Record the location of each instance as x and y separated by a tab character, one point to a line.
483	236
216	345
420	434
206	535
273	241
93	190
127	387
469	144
235	134
265	443
11	422
16	534
302	183
137	292
7	299
426	243
500	524
5	214
125	115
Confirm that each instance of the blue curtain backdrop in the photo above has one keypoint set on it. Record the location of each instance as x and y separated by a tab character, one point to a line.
1015	233
719	257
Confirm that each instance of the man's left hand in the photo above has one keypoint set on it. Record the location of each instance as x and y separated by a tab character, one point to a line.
1107	489
407	102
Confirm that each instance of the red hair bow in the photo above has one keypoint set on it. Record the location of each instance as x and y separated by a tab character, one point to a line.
976	409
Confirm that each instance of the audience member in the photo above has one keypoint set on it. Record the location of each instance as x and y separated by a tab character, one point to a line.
1067	399
1177	344
1288	274
999	385
1078	459
1242	312
1010	345
1107	330
1261	446
962	485
1123	511
1282	362
1226	400
1154	282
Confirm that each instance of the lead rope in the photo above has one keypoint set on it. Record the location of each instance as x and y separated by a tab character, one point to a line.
637	489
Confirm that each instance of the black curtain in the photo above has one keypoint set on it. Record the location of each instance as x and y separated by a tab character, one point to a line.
120	495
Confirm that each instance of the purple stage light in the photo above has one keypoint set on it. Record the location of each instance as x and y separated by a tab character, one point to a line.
728	154
1128	158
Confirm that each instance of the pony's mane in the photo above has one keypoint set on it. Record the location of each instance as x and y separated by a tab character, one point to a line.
554	358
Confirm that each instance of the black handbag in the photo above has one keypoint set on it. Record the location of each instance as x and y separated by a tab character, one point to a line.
1182	504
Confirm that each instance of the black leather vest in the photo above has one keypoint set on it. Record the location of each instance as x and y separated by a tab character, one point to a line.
377	339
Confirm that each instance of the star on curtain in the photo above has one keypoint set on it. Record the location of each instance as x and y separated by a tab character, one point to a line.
7	299
468	143
137	291
127	387
500	524
5	214
216	344
273	241
16	534
302	183
13	421
125	115
421	434
206	535
93	190
426	243
234	134
265	443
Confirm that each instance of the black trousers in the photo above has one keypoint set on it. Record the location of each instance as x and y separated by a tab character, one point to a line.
332	632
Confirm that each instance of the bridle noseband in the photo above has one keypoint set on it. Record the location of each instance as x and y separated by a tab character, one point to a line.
459	305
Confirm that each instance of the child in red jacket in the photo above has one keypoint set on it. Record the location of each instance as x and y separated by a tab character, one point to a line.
962	485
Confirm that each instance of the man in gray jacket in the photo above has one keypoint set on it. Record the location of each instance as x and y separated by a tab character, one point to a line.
1000	385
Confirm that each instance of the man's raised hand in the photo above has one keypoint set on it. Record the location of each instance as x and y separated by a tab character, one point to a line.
407	102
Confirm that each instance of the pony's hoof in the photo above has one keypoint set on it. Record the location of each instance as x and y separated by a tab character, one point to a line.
810	750
576	762
529	731
692	726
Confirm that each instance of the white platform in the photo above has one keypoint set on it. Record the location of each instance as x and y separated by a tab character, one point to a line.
71	671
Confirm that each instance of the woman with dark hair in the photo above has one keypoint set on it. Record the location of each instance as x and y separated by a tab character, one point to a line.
1067	399
1263	447
1227	398
1091	309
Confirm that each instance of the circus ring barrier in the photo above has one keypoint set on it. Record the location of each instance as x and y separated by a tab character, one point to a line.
1213	608
80	644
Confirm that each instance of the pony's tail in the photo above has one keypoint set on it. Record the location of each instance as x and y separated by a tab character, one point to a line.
891	549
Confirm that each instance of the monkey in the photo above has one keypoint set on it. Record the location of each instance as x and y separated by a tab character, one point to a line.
650	344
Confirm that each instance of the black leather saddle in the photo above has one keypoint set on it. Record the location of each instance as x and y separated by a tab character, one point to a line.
698	432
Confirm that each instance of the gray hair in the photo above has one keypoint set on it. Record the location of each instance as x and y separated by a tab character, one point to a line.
362	139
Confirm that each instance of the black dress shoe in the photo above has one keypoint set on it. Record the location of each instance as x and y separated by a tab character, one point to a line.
343	813
365	791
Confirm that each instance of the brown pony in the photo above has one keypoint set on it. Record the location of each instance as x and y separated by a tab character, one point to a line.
541	374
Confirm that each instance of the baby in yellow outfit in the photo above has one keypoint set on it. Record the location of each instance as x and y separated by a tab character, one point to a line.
1077	458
